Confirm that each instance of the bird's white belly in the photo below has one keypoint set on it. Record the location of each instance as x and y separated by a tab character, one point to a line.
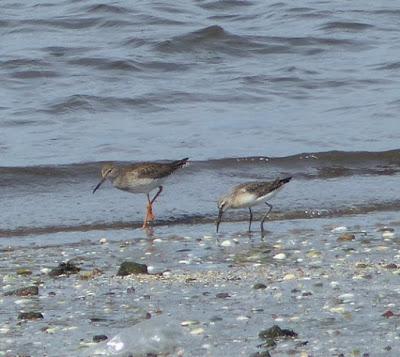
246	200
140	185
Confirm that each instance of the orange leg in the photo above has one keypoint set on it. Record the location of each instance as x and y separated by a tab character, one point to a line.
146	219
151	216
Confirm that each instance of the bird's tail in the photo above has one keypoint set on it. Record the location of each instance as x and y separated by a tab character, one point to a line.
179	163
285	180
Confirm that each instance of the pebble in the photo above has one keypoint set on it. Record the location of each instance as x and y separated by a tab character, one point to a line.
242	318
259	286
197	331
388	234
346	237
338	309
30	315
167	274
24	272
289	276
313	254
27	291
99	338
184	262
346	298
45	270
190	323
334	284
279	256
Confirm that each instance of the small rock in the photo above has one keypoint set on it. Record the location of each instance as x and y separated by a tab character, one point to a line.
222	295
346	237
388	235
24	272
28	291
190	323
279	256
130	290
259	286
339	229
391	266
242	318
313	254
261	354
128	268
361	265
289	276
86	275
67	268
31	315
45	270
276	332
389	314
99	338
197	331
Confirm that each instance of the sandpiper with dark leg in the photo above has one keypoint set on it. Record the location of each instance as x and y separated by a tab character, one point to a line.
140	178
251	194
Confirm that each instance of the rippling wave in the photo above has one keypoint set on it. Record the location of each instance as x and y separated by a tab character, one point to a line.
318	165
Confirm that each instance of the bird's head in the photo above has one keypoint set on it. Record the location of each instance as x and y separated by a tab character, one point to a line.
108	171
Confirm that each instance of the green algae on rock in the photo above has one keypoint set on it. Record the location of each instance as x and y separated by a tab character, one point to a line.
129	268
67	268
30	315
27	291
274	333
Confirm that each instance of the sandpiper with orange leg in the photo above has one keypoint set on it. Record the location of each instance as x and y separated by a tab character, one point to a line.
251	194
140	178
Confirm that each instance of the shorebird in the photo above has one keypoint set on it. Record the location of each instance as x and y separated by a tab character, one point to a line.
251	194
143	177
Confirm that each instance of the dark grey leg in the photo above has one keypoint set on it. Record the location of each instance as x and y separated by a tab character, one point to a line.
157	194
264	217
251	219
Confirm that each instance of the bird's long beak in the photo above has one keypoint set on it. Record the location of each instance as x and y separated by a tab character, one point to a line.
99	184
220	213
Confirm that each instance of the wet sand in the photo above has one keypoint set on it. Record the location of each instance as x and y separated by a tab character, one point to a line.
329	280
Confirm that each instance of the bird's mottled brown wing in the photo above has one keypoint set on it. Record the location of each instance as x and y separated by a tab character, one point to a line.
154	170
259	188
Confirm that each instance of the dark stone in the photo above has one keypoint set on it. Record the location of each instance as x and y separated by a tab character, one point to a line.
31	315
222	295
215	319
275	332
128	268
28	291
99	338
131	290
346	237
261	354
391	266
259	286
67	268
